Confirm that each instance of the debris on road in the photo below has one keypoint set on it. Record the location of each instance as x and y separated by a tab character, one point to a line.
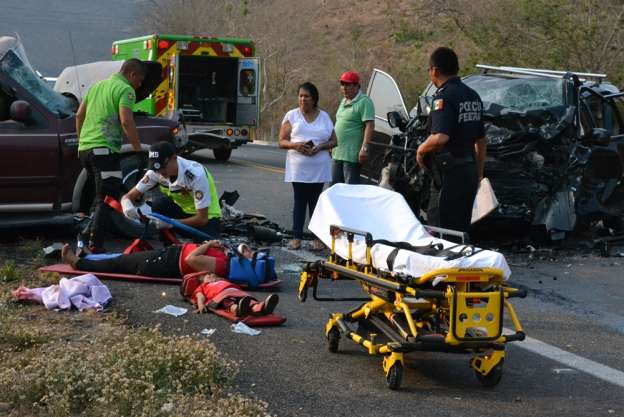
53	251
242	328
208	332
172	310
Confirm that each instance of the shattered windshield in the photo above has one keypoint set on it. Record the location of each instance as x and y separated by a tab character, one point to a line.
24	76
518	93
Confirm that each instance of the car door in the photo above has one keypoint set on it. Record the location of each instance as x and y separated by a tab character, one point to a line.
29	156
605	163
29	165
386	97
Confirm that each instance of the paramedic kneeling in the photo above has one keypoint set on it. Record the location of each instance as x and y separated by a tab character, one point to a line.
457	137
190	195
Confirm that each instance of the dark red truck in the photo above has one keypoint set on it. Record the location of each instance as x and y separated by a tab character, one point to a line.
40	175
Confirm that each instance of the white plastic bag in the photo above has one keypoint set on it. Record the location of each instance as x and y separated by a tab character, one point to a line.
485	201
241	327
172	310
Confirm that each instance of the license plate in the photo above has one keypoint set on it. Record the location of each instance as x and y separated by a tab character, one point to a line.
182	45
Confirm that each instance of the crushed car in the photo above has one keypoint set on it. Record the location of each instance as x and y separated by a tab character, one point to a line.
555	147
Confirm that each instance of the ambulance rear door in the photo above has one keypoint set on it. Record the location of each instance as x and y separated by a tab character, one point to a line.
248	100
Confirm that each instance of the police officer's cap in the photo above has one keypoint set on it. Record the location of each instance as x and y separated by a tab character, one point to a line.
159	155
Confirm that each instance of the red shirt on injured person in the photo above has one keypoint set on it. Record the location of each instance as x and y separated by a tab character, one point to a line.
191	257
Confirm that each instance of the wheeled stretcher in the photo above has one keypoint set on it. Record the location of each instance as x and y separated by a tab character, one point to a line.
452	309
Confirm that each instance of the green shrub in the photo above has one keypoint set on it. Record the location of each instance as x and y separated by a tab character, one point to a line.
10	272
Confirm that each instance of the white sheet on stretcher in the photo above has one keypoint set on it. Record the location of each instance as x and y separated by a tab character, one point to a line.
386	215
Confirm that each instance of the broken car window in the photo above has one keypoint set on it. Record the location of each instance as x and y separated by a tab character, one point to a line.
519	94
25	77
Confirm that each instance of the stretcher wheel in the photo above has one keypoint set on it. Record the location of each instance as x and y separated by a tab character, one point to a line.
395	376
493	378
333	339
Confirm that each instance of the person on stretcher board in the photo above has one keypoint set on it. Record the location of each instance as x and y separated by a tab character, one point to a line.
172	261
177	261
217	292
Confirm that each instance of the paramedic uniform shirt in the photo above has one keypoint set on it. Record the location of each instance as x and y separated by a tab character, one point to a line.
101	127
456	111
192	190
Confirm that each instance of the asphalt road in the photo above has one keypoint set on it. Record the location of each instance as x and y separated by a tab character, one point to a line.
572	364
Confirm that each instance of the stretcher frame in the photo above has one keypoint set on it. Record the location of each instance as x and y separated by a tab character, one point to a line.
453	310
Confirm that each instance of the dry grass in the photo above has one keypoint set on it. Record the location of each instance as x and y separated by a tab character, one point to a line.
78	364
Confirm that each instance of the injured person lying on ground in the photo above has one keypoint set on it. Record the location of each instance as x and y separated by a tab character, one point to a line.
215	292
172	261
387	217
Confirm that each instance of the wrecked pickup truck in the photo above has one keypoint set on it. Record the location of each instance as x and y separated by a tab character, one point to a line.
555	147
41	180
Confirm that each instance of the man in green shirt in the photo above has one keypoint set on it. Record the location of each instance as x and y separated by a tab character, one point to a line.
103	118
355	123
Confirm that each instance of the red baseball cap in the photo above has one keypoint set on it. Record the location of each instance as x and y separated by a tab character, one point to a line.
351	77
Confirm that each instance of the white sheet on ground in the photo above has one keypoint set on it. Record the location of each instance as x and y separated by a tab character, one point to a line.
385	215
82	292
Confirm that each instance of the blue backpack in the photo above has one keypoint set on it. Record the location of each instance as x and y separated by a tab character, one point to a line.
252	272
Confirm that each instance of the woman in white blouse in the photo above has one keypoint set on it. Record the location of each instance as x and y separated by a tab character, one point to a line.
308	134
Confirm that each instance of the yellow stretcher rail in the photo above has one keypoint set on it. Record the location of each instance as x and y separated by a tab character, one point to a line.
462	313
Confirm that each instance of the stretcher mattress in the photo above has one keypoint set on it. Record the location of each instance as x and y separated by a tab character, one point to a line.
386	215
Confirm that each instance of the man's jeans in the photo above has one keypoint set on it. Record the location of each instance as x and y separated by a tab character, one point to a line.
347	172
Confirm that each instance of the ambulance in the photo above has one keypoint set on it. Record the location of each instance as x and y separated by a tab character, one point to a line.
212	83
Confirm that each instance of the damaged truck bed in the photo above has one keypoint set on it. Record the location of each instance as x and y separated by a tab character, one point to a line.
555	147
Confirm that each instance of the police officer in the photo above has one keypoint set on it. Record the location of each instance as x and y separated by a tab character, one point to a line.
457	138
190	195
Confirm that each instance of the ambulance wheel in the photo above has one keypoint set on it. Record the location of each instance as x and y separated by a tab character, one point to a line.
333	339
222	154
493	378
395	376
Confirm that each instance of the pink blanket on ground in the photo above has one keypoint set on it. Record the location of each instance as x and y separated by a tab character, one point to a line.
83	292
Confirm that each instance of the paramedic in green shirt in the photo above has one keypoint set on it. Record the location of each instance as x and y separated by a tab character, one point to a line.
103	118
189	192
355	122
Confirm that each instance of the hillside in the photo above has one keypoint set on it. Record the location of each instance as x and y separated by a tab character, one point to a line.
316	40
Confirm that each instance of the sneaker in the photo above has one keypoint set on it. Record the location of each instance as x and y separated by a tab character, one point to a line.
244	307
269	304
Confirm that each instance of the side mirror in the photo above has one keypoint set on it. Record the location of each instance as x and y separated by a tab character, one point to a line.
424	105
20	111
600	137
395	120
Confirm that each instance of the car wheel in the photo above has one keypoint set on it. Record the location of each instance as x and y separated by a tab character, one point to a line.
84	193
222	154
